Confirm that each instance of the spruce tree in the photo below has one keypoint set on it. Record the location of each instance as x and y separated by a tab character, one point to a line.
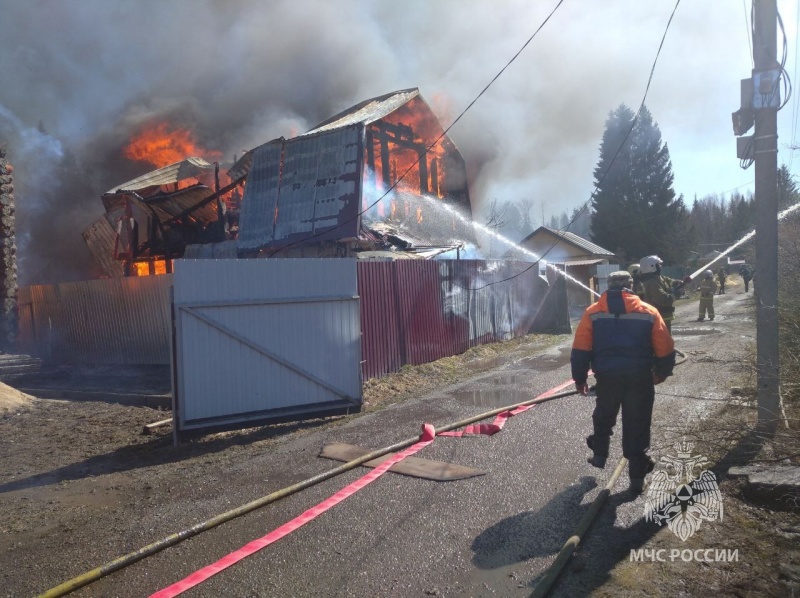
788	194
636	212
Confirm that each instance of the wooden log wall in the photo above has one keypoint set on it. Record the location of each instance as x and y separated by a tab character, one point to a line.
8	257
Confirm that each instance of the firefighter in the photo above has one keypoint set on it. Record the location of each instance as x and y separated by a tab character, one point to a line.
707	289
626	343
747	276
658	290
636	273
722	275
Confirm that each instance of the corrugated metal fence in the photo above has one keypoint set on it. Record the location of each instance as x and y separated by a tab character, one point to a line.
412	312
106	321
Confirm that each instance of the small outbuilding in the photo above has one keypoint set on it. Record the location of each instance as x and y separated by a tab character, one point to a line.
579	258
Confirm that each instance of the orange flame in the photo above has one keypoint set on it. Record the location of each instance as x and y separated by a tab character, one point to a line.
161	145
419	126
419	214
148	267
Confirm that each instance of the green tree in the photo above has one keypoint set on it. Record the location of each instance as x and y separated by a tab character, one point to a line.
636	212
581	220
788	194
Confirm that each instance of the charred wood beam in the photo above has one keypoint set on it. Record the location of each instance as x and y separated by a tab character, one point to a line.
423	173
385	165
206	201
400	135
370	143
403	137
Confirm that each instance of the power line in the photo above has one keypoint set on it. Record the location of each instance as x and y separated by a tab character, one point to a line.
749	28
583	208
438	139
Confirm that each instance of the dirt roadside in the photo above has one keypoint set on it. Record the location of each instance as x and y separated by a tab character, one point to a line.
63	464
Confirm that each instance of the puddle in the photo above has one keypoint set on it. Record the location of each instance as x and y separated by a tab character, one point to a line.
493	397
504	380
694	331
545	363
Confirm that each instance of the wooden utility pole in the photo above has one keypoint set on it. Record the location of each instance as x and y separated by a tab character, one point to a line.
766	83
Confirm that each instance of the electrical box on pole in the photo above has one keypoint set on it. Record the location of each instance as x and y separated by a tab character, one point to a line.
744	148
744	117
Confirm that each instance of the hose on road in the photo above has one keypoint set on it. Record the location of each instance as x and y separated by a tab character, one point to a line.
171	540
571	545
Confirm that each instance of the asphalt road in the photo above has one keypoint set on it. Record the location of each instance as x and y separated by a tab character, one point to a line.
492	535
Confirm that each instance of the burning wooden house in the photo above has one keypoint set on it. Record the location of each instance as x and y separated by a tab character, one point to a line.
379	179
151	219
381	175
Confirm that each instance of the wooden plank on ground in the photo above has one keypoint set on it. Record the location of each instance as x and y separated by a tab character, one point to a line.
148	428
411	466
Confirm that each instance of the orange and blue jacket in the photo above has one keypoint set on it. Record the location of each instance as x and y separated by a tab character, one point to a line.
620	334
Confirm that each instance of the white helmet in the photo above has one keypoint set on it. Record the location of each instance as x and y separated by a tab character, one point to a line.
708	274
650	263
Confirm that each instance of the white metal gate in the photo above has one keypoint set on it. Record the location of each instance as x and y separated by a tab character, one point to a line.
260	341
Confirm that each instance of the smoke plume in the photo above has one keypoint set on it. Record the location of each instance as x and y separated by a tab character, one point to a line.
81	77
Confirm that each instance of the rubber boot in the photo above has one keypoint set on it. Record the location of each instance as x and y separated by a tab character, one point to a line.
598	459
637	469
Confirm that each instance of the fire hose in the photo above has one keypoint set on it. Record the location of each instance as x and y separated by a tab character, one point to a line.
173	539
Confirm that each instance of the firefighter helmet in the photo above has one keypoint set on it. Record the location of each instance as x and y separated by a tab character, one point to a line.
620	279
634	269
650	263
708	274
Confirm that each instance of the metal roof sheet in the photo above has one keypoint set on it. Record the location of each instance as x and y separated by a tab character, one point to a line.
367	111
242	166
101	237
190	167
303	187
166	206
590	262
571	238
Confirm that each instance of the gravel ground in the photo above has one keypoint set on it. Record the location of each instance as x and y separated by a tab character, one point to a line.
80	485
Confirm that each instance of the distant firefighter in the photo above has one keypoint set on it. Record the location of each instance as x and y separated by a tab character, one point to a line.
707	289
658	290
722	275
747	276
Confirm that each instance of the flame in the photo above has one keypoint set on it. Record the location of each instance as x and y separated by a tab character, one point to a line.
421	128
160	144
394	209
142	268
419	214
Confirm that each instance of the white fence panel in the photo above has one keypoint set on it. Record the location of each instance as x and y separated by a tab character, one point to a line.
264	340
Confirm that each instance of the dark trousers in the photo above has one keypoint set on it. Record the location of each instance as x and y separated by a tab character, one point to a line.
634	393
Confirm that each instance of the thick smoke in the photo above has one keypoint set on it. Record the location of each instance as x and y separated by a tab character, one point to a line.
80	77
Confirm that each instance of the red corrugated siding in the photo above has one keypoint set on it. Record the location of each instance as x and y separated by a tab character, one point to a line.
380	343
414	312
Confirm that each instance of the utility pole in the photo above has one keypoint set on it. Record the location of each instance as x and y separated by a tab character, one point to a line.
766	86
